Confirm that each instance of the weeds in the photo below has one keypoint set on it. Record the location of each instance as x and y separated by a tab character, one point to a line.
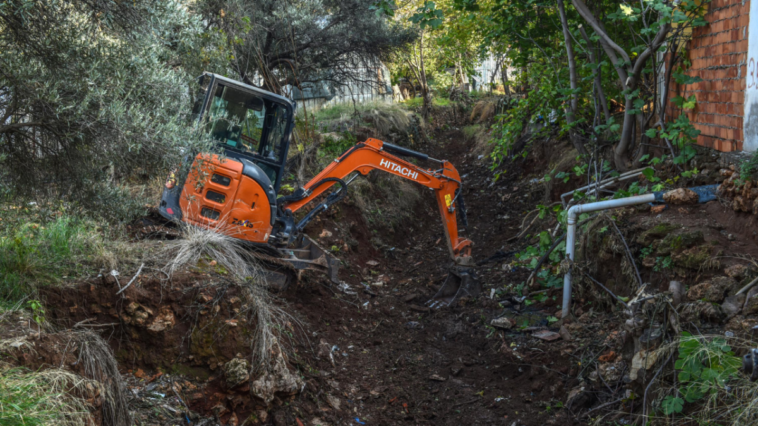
201	245
708	387
42	398
383	116
101	366
41	253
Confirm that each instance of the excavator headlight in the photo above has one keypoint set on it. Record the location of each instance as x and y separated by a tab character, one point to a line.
171	181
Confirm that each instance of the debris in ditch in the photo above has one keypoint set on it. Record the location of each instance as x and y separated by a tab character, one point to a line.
681	196
333	401
345	288
437	378
279	381
547	335
565	334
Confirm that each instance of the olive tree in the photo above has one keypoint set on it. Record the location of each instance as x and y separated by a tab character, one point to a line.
276	43
91	90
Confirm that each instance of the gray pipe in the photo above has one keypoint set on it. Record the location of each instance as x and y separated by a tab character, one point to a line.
574	212
704	194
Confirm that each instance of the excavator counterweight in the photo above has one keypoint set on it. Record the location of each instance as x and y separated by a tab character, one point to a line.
236	190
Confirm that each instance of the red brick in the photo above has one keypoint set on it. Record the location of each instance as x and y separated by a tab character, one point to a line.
743	20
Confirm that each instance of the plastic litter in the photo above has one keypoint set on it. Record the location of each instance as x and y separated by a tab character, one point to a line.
705	193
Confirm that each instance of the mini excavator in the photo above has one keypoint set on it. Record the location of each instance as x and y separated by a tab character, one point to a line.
236	192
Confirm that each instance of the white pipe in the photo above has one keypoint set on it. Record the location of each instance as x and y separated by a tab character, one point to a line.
574	212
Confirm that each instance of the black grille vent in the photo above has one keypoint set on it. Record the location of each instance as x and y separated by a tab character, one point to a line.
221	180
209	213
215	197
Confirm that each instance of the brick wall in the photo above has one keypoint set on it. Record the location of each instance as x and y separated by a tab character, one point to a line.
718	54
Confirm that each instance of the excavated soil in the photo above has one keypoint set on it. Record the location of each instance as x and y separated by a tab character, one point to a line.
371	352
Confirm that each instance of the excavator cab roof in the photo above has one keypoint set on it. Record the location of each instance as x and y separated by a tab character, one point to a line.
248	123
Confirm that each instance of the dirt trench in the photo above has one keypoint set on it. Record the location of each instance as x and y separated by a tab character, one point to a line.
371	352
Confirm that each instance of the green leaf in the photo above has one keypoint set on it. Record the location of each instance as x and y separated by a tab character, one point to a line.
672	404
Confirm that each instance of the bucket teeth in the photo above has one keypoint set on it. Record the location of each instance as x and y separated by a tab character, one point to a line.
459	282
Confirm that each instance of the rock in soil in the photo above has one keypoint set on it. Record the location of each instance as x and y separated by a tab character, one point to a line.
502	323
681	196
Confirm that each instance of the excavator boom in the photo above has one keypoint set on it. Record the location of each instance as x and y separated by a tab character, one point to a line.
374	154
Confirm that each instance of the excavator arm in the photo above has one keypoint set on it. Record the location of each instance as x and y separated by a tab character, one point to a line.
375	154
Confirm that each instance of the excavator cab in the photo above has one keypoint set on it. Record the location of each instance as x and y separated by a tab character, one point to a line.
235	191
248	123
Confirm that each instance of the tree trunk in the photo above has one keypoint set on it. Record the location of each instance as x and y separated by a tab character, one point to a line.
504	75
629	78
573	104
427	106
619	153
602	100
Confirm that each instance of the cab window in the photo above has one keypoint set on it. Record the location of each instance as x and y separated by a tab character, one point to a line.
236	119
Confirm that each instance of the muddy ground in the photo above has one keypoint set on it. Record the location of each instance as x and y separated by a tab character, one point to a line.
371	352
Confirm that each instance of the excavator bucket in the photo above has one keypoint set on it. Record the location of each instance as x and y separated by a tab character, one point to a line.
459	282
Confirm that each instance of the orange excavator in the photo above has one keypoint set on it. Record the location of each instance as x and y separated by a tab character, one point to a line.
236	191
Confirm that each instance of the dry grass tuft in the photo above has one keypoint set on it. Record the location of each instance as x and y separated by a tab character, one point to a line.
100	365
206	245
387	118
483	111
478	135
260	309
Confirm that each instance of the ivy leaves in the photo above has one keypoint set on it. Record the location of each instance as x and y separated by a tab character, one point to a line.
383	8
704	368
428	16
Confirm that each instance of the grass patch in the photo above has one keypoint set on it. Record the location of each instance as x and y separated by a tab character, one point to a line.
36	251
471	131
41	398
336	112
214	250
436	101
